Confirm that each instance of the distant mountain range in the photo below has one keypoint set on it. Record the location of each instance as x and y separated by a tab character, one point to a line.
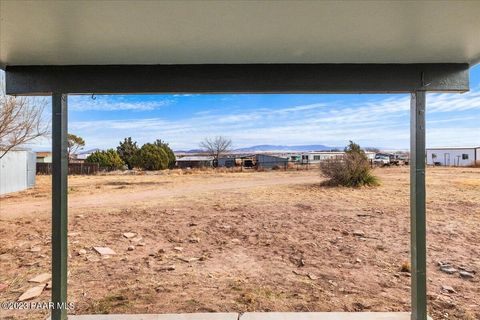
272	148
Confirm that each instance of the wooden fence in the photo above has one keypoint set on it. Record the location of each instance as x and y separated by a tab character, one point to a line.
73	168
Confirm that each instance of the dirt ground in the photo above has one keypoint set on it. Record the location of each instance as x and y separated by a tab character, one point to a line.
247	241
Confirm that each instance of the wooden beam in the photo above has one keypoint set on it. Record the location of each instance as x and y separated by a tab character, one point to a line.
237	78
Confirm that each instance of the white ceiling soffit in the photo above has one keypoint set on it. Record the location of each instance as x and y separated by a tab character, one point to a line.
181	32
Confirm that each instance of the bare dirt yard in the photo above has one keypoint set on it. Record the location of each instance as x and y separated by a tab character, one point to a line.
246	241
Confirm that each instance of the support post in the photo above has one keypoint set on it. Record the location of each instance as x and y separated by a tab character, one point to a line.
417	206
59	206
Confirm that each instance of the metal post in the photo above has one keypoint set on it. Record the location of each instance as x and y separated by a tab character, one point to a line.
417	206
59	206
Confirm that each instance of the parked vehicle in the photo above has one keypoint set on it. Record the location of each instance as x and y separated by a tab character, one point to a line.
381	159
389	159
394	159
403	159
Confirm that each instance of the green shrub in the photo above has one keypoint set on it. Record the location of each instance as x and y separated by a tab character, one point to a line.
152	157
106	159
168	151
351	170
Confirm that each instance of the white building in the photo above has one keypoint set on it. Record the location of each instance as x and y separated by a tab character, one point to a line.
17	171
44	157
456	156
82	156
319	156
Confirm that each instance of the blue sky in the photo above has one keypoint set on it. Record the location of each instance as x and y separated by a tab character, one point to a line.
252	119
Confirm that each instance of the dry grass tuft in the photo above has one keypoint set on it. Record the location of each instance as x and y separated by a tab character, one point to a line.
470	182
109	303
406	267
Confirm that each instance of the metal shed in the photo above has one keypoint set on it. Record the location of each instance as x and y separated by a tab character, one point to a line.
195	162
123	47
17	171
271	162
228	162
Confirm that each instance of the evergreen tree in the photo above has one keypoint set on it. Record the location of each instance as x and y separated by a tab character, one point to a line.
168	151
128	152
153	157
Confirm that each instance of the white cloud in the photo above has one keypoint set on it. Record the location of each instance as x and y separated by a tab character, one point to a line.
111	103
384	122
185	95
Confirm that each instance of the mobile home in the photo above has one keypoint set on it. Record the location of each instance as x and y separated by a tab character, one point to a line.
454	156
317	157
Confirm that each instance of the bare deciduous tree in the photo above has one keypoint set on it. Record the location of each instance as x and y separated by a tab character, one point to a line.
216	146
21	121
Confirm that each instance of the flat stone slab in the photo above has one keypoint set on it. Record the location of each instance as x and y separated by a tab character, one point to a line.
32	293
326	316
104	251
129	235
172	316
41	278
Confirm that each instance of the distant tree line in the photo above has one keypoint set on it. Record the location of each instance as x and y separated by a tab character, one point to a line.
151	156
106	159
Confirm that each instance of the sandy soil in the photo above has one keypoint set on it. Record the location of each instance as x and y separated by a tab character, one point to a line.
130	190
251	241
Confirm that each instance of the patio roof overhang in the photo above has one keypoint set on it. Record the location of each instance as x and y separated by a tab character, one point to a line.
232	32
306	46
